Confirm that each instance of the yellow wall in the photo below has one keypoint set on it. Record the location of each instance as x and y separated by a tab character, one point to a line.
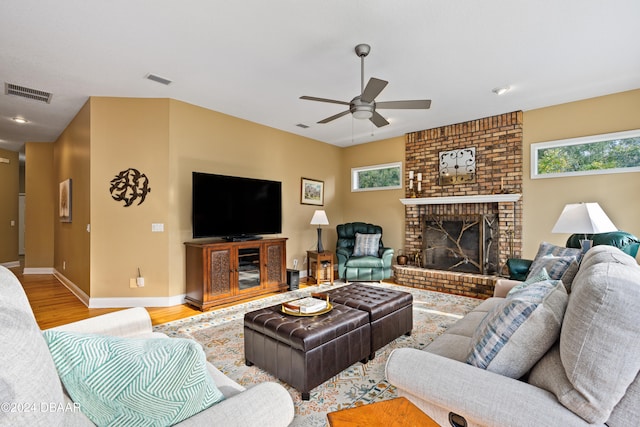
206	141
129	133
167	140
71	240
618	194
376	207
9	207
40	205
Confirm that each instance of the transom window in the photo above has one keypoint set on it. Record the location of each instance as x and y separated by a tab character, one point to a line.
377	177
599	154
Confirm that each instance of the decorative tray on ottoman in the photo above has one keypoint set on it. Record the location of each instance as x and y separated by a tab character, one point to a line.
308	306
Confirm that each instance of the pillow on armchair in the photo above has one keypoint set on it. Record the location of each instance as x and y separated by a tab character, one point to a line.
366	244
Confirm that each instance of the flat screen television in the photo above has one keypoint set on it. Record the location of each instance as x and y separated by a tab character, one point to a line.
235	208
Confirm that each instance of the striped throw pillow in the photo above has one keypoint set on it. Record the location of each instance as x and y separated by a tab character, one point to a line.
130	381
516	333
545	257
367	244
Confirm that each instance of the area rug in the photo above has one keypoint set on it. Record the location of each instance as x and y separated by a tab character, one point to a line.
221	334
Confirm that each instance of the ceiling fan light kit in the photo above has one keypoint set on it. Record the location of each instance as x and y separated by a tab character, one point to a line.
360	109
364	106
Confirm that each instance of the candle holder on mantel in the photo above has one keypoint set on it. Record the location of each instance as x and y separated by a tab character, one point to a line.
502	189
412	192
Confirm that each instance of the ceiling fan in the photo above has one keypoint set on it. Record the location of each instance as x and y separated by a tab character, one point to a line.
364	105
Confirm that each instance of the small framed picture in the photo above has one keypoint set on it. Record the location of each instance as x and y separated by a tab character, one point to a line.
312	192
65	201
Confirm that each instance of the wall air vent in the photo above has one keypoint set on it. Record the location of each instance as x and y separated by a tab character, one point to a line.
156	78
26	92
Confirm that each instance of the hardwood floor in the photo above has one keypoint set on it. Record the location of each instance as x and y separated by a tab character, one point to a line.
54	305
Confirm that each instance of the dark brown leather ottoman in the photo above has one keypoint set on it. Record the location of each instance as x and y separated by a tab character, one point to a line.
306	351
390	312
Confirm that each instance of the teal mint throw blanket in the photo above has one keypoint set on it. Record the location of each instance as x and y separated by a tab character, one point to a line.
131	381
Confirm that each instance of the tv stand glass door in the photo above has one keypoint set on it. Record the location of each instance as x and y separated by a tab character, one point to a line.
248	268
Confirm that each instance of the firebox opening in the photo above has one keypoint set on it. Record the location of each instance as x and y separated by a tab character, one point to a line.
462	243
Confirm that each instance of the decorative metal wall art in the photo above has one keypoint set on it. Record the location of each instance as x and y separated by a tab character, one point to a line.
128	186
457	166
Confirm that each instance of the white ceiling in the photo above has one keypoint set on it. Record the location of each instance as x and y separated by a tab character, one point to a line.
253	59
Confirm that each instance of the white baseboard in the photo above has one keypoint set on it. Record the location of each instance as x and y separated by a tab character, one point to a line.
79	293
117	302
136	302
11	264
38	270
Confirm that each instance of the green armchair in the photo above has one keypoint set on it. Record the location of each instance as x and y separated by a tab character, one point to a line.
626	242
361	253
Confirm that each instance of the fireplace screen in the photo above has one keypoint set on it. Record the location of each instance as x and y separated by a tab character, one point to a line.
463	243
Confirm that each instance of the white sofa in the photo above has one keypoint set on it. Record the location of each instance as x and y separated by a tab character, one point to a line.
31	393
589	376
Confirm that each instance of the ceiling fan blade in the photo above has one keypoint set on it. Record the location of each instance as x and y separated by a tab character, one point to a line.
335	116
378	120
421	104
373	89
333	101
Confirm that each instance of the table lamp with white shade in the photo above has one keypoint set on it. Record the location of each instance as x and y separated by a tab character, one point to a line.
319	219
583	218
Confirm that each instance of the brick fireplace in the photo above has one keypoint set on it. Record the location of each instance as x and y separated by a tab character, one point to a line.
495	193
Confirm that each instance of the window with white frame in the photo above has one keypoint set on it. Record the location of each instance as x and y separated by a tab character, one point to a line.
377	177
598	154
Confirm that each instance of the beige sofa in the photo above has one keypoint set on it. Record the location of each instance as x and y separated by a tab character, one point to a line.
588	376
31	393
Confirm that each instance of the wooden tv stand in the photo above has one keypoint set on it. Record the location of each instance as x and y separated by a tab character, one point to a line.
221	272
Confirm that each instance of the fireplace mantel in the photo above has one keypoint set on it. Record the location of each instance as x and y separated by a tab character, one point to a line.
452	200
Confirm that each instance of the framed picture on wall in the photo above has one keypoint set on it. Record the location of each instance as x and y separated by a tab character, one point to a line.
312	192
65	201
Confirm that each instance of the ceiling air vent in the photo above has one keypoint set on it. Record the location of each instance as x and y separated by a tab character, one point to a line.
26	92
302	125
158	79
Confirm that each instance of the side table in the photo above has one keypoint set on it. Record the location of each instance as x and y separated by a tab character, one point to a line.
320	266
396	412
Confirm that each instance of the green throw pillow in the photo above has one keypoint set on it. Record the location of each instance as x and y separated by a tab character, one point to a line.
131	381
540	277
